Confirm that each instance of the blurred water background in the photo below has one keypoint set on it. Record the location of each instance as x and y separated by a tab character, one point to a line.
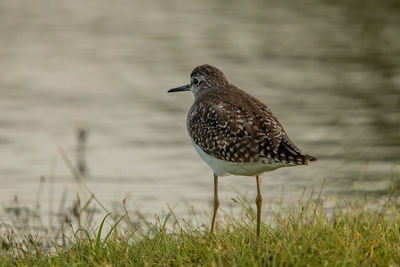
330	71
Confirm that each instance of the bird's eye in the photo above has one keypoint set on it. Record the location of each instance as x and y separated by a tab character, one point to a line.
196	81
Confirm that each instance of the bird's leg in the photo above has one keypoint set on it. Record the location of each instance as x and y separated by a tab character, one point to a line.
259	200
216	201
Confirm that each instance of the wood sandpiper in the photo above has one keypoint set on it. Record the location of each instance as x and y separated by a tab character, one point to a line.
234	133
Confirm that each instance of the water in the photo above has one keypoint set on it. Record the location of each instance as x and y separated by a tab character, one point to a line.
330	70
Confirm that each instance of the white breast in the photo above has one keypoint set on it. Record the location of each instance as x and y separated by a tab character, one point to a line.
222	167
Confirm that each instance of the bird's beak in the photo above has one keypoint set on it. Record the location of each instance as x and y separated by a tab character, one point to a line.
178	89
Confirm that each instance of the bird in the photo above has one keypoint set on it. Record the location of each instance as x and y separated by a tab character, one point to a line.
235	133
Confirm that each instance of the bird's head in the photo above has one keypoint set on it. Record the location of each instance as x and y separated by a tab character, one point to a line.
204	79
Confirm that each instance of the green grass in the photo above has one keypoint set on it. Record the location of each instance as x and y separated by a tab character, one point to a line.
306	236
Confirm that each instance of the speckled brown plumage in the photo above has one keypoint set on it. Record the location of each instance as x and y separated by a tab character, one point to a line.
230	124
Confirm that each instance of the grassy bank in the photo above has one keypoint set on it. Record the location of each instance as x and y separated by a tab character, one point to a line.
307	236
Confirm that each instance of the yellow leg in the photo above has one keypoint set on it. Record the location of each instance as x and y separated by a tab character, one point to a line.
259	200
216	201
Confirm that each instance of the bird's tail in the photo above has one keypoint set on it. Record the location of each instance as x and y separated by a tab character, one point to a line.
307	159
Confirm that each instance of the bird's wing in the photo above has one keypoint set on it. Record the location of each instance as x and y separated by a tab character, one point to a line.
230	132
224	132
283	149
